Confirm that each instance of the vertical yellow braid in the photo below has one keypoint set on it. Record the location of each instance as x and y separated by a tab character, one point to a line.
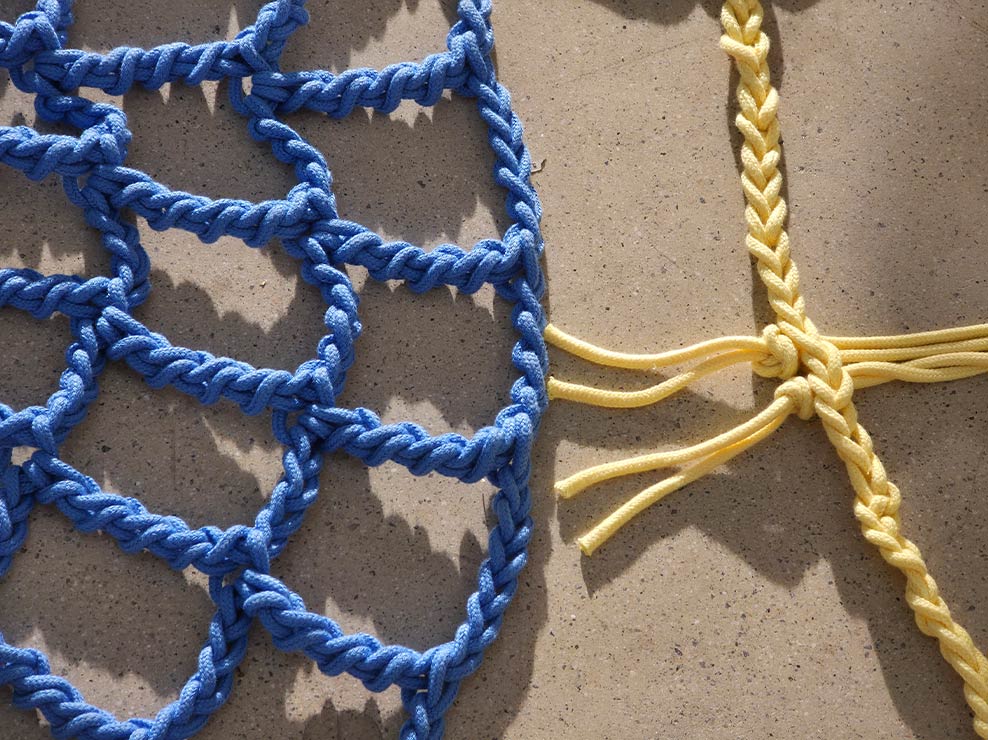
818	373
876	505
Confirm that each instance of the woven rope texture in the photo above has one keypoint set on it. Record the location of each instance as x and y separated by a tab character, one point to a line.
301	402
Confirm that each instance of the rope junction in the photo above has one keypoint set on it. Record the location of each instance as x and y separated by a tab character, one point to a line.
819	374
305	417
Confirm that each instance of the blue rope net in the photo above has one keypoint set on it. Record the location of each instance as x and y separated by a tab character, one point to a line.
305	418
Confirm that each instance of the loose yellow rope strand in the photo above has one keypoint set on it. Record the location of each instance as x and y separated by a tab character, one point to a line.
773	414
633	399
819	373
609	358
603	531
939	336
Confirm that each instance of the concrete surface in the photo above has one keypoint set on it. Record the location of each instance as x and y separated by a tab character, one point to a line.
746	606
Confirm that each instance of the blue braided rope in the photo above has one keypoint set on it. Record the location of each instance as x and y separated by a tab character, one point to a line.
302	403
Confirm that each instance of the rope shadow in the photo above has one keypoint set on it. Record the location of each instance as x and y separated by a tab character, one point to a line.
179	20
220	160
336	36
52	232
78	597
442	190
676	11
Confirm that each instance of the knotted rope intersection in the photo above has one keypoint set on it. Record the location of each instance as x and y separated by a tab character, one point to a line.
305	417
819	374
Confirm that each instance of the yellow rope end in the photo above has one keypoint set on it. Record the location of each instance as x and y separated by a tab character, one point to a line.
552	388
587	545
565	489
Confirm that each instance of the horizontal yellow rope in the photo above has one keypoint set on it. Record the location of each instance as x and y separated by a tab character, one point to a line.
932	369
609	358
916	339
559	389
874	360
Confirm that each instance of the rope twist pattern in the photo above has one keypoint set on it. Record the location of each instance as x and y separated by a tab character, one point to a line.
302	403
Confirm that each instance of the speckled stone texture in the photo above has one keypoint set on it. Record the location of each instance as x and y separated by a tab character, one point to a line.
747	605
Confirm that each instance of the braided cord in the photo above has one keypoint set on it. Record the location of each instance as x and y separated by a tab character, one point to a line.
877	500
819	374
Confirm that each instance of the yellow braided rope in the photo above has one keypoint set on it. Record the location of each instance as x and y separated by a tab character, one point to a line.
819	374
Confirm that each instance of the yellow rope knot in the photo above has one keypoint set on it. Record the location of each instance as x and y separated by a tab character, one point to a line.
825	390
800	393
819	374
781	359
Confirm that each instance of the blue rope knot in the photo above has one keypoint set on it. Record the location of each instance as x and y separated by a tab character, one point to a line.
305	418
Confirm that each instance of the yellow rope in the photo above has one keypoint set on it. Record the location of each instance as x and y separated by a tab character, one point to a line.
819	374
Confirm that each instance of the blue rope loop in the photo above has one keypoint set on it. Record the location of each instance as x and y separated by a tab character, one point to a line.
304	415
